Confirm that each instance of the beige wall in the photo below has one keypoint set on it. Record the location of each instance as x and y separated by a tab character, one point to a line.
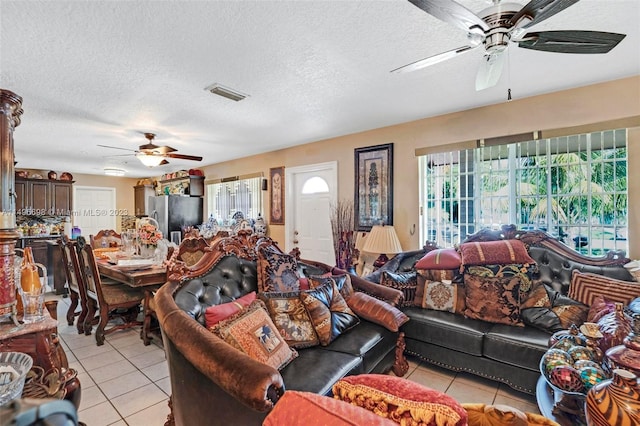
123	185
577	107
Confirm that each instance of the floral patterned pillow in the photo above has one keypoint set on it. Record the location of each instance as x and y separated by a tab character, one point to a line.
493	299
277	271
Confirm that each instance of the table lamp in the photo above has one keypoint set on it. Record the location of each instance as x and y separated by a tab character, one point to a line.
384	240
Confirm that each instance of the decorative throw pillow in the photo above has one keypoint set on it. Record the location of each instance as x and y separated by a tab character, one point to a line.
453	275
406	282
447	258
216	313
495	252
526	272
291	318
559	314
441	296
403	401
297	408
600	307
503	415
377	311
343	282
252	332
615	326
422	276
585	287
277	271
493	299
329	312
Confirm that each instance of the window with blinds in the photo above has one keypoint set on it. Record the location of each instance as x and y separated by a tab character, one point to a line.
227	197
574	187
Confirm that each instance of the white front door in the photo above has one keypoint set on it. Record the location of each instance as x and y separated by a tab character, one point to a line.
310	193
94	209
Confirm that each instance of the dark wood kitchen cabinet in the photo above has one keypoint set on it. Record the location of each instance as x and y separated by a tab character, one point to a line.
40	197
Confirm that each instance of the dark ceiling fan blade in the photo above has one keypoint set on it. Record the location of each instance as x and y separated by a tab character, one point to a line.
453	13
183	156
431	60
163	162
117	147
537	11
571	41
490	70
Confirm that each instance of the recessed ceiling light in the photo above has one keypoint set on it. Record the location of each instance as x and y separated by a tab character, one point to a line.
112	171
220	90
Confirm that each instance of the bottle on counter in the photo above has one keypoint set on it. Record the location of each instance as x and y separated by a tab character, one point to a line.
66	227
29	277
75	232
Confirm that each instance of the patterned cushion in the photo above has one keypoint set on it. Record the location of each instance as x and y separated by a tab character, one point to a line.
252	332
503	415
277	271
329	312
553	312
537	297
406	282
493	299
571	314
526	272
441	274
495	252
297	408
291	318
600	307
403	401
216	313
585	287
441	296
377	311
447	258
342	281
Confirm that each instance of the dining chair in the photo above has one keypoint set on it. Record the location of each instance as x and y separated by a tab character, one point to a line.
190	250
117	303
111	237
75	283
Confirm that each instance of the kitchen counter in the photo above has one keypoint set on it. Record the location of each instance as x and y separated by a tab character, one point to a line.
46	252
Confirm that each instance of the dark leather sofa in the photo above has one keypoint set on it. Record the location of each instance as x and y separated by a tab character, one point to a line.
504	353
212	382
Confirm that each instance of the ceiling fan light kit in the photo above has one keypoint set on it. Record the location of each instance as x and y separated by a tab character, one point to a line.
152	155
498	25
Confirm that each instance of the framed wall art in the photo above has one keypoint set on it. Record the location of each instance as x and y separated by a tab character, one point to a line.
373	198
276	211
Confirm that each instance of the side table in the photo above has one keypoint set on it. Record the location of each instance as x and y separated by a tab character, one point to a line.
40	340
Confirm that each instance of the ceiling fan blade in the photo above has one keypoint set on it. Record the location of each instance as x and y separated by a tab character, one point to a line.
431	60
116	147
163	162
571	41
537	11
184	156
490	70
453	13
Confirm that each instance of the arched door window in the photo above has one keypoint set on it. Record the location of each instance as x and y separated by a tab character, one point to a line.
315	185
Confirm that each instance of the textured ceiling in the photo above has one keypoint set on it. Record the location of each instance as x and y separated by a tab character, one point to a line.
101	72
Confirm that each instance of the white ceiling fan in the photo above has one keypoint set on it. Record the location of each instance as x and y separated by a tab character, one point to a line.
498	25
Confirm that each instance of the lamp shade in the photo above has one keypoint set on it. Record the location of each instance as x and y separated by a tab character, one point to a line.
149	160
382	240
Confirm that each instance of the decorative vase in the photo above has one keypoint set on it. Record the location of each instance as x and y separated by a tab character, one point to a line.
147	251
615	401
627	355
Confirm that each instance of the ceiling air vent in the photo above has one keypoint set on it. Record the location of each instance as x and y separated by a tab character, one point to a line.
218	89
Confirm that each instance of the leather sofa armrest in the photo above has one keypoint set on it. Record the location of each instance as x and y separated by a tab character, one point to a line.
254	384
390	295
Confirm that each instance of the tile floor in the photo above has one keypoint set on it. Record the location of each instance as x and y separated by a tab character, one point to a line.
127	383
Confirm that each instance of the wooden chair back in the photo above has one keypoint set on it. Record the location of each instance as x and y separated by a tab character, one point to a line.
113	239
190	251
110	300
75	283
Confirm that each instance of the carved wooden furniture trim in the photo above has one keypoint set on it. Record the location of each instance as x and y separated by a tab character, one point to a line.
113	238
542	239
75	283
110	301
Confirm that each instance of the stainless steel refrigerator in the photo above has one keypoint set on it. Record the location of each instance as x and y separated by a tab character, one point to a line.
173	212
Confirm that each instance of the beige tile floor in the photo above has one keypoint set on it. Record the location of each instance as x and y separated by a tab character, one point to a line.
126	383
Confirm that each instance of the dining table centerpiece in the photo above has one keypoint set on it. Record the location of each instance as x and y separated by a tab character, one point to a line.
149	236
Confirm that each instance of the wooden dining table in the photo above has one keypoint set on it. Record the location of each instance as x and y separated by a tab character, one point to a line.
148	277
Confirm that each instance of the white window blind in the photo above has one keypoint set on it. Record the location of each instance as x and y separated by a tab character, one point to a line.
241	195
